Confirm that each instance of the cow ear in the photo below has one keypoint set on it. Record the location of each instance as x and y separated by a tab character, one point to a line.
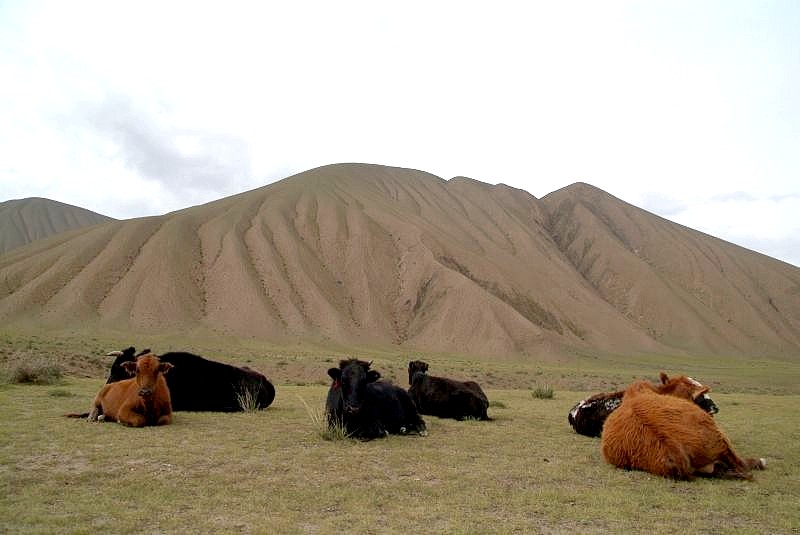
704	390
129	366
335	373
164	367
664	378
373	376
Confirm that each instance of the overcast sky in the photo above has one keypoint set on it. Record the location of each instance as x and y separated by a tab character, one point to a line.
687	109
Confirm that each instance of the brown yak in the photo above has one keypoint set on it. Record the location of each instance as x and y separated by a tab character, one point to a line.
139	401
670	437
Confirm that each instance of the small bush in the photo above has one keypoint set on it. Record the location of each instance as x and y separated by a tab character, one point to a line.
543	392
322	426
36	373
247	396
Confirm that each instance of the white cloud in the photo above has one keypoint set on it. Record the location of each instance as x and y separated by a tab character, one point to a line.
138	108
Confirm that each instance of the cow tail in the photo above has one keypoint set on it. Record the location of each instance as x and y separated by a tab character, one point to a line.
77	415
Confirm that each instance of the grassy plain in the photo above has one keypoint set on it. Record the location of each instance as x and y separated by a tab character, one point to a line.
272	472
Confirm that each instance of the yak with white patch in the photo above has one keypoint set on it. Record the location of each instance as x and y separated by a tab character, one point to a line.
588	416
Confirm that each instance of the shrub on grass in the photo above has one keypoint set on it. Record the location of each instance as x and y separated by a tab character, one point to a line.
247	397
322	426
543	392
36	373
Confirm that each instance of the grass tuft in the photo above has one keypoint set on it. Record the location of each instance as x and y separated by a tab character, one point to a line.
322	426
36	373
498	404
247	396
543	392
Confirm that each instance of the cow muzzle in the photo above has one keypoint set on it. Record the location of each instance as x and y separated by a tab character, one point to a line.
349	408
145	392
707	404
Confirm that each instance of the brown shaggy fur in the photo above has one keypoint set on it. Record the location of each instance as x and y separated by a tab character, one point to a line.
670	437
139	401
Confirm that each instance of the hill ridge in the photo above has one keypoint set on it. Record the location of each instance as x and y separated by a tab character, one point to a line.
360	254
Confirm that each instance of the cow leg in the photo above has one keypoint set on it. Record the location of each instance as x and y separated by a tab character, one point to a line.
164	419
756	464
95	414
731	466
373	430
131	418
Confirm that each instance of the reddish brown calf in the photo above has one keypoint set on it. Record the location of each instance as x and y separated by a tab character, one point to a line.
670	437
139	401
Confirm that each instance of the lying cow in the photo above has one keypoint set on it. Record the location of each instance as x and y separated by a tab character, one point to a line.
137	401
198	384
368	408
670	437
445	398
587	416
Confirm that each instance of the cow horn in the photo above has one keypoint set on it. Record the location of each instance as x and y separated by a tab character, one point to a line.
114	354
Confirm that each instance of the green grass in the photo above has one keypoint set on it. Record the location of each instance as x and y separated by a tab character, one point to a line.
543	392
283	471
273	471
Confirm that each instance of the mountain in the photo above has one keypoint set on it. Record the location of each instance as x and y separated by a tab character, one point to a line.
25	220
358	254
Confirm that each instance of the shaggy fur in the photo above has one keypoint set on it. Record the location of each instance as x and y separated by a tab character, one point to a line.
369	408
443	397
670	437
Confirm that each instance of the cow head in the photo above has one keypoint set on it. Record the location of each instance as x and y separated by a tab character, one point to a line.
687	388
146	368
416	366
118	372
353	375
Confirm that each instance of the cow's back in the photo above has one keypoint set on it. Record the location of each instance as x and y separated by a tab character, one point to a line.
448	398
199	384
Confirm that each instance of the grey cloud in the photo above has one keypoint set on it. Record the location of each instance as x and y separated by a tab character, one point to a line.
663	205
149	145
734	196
787	249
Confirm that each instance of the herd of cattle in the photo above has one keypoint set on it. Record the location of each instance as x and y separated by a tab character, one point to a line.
666	429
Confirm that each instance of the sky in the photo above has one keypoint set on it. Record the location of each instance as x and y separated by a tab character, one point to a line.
690	110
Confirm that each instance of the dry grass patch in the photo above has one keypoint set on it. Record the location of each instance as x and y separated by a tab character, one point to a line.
273	471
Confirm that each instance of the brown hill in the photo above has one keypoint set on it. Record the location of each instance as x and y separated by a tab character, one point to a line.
686	289
25	220
362	254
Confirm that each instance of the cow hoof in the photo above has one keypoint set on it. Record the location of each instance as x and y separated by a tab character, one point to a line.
101	418
403	430
762	463
423	433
